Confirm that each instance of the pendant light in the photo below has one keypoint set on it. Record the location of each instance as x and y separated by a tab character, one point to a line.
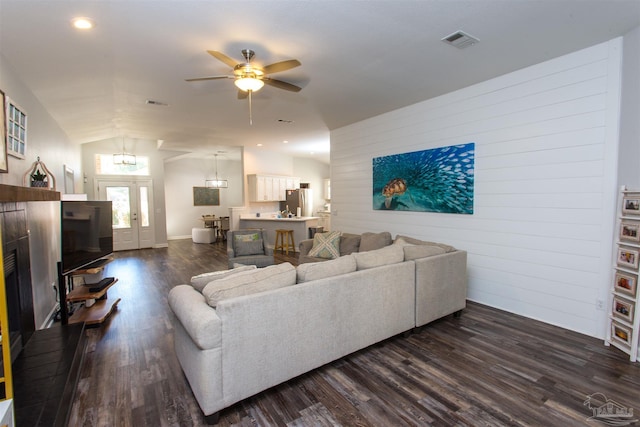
124	158
216	183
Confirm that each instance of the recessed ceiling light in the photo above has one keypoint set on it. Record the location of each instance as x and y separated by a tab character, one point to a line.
258	145
82	23
285	142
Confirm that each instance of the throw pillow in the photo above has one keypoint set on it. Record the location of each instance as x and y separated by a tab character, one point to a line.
411	240
373	241
326	245
250	282
320	270
253	247
349	243
246	237
421	251
201	280
392	254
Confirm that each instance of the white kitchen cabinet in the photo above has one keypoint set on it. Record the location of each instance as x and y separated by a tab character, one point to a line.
270	188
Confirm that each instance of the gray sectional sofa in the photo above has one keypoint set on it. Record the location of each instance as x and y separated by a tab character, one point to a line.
239	332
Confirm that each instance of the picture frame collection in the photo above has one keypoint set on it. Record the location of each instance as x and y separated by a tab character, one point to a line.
623	317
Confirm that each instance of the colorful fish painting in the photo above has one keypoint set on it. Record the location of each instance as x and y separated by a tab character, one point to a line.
434	180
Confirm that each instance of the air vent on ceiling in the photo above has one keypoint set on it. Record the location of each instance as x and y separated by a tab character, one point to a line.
159	103
460	39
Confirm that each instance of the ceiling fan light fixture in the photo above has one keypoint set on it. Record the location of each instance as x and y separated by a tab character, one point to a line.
247	84
83	23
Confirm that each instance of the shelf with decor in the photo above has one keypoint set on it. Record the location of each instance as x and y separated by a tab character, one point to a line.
623	329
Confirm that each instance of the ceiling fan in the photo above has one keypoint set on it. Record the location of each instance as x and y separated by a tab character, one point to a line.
249	77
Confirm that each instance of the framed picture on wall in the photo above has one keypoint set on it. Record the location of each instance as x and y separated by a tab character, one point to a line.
16	130
623	309
203	196
630	231
631	204
4	162
628	257
621	334
625	283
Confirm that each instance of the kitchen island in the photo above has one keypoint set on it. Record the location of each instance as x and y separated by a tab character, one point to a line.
299	225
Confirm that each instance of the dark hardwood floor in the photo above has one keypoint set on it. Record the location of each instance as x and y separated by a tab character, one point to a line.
487	367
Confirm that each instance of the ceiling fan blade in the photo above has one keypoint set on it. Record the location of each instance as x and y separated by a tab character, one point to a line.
281	66
222	57
198	79
242	94
282	85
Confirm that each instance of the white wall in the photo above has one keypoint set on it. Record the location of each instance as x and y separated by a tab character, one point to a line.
629	172
47	140
181	175
540	240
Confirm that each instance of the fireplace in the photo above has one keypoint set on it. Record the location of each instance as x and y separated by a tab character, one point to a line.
17	274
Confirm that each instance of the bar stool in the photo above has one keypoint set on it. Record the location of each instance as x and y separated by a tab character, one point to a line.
284	241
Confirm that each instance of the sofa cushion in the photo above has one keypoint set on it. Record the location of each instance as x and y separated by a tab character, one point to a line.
388	255
320	270
250	282
326	245
201	280
373	241
411	240
349	243
248	243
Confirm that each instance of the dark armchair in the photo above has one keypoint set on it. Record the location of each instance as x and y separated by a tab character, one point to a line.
249	247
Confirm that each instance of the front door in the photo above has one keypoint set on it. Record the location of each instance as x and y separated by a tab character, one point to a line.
132	212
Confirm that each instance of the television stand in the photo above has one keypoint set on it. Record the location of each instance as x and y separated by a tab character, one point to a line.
97	306
95	267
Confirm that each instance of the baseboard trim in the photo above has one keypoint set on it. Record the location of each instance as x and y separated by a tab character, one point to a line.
160	245
50	318
187	236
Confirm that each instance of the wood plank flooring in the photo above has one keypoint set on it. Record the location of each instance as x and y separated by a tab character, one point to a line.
487	367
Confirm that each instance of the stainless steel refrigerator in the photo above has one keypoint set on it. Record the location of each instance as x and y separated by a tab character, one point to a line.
302	198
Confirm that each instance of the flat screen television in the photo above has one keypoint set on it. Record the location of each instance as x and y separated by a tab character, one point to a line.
87	233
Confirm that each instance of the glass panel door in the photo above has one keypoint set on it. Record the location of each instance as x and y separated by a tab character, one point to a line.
132	212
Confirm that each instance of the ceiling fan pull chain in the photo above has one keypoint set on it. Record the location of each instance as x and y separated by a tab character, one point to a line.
250	110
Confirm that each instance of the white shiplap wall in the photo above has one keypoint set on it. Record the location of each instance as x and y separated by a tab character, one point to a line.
539	242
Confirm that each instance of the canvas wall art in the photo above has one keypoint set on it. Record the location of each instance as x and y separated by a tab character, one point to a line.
434	180
203	196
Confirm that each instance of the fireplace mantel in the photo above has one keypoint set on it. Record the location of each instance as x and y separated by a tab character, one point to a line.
14	193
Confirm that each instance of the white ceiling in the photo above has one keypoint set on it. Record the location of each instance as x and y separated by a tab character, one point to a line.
359	59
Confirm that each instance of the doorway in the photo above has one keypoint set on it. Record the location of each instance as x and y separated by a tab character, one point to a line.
132	220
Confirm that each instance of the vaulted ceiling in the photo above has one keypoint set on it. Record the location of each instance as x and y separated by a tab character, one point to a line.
359	59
